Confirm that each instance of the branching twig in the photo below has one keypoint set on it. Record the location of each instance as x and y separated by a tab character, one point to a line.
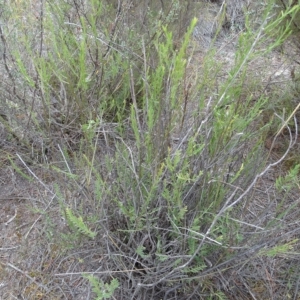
33	174
26	275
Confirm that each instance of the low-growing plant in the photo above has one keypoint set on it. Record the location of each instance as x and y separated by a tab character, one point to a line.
157	170
102	291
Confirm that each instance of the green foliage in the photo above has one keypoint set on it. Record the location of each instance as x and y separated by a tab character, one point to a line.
19	170
289	181
140	251
102	290
280	250
77	224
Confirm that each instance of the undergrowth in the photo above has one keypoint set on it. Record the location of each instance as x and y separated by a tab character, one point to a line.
155	169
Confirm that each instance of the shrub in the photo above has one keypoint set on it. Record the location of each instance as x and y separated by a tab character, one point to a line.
165	163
